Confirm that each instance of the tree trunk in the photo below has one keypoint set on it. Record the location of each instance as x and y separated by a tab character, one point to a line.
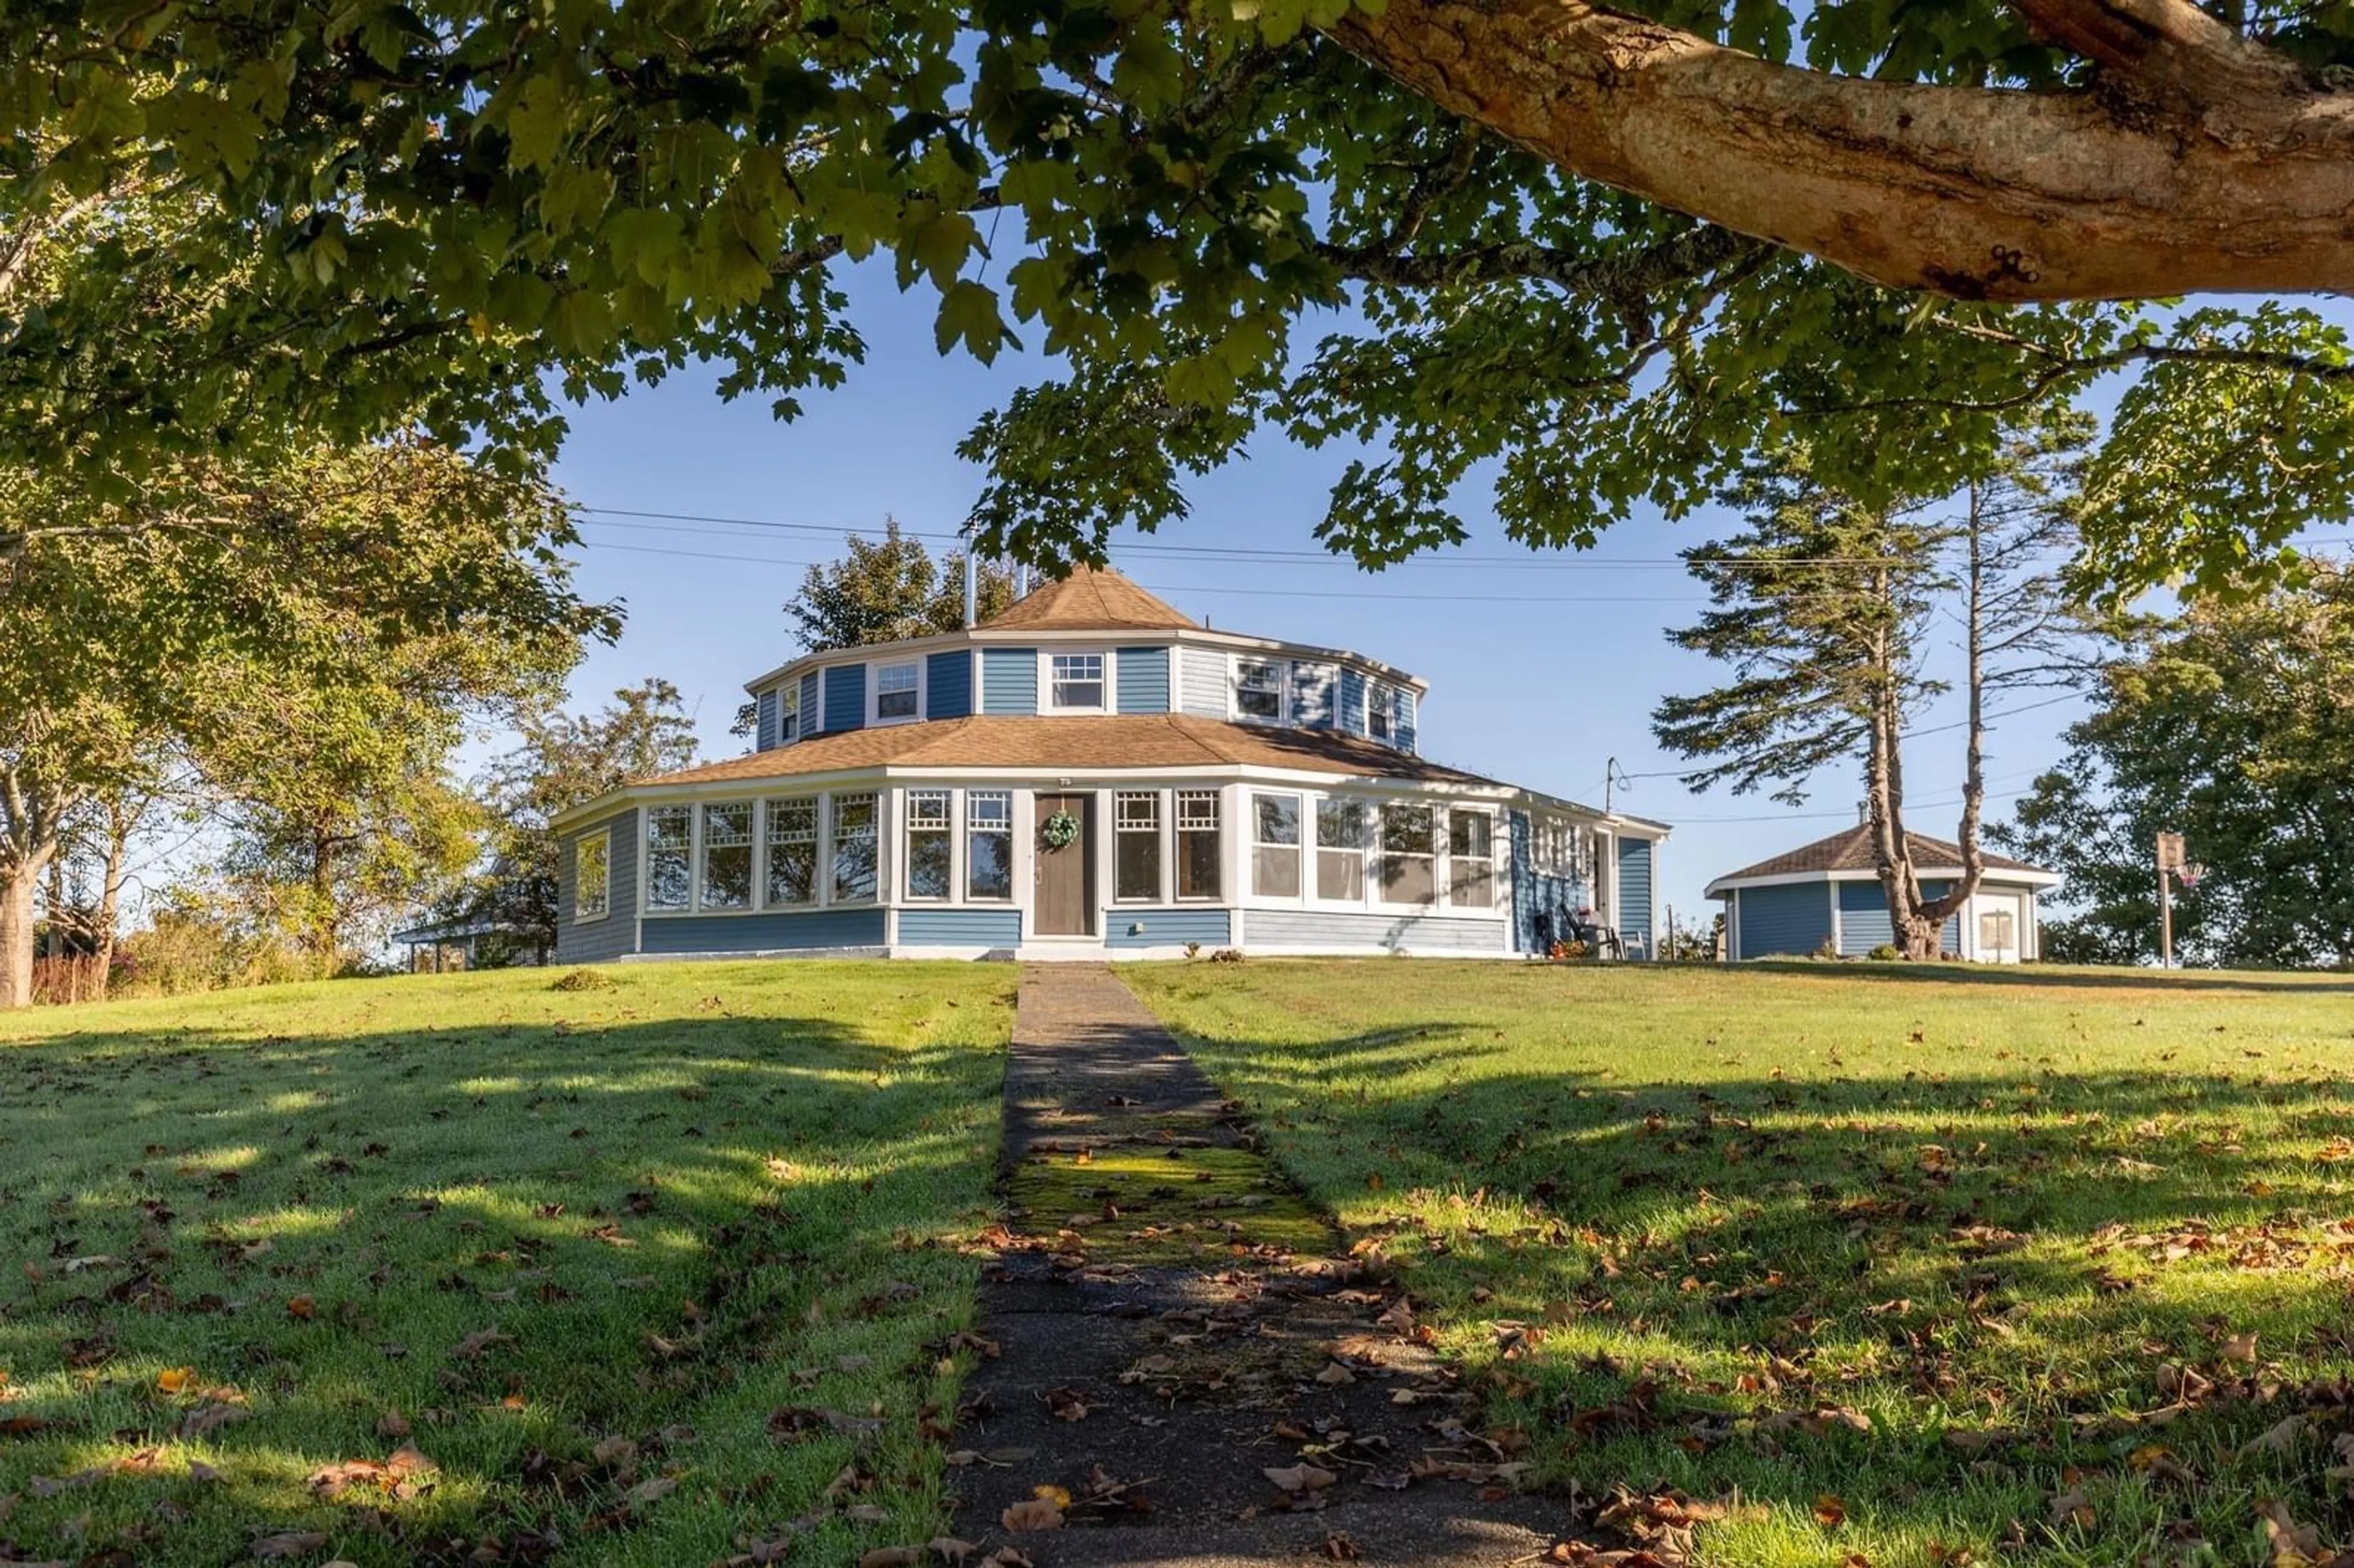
16	884
2197	161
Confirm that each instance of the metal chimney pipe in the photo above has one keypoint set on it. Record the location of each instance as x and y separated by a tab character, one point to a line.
971	586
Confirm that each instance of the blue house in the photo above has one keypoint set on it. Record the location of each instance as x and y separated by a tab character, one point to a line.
1826	897
1090	773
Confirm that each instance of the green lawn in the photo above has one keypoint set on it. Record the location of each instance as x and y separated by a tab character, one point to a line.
452	1269
2044	1267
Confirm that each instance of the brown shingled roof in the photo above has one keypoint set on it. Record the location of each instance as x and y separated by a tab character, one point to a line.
1088	600
1850	850
1125	740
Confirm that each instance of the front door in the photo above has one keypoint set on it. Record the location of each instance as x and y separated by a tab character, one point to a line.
1065	901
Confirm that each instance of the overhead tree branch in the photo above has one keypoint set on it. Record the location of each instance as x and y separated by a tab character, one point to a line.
2236	173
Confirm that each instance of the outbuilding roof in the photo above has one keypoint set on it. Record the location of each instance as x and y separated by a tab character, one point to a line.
1122	740
1090	600
1850	850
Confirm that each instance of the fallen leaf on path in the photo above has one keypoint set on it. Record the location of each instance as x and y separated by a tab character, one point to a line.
1033	1513
1300	1478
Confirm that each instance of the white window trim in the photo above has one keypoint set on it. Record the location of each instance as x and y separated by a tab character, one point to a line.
827	840
646	905
1376	689
762	840
604	899
1235	664
789	711
1304	824
962	852
1231	889
885	857
1312	830
1164	828
1498	859
952	823
696	855
874	668
1046	657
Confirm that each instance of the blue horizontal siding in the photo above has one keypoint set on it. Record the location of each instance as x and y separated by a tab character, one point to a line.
812	711
1312	695
1009	680
768	736
596	941
1792	919
959	927
1406	714
1865	923
845	697
764	933
1635	894
1353	701
1166	928
1542	907
948	683
1143	680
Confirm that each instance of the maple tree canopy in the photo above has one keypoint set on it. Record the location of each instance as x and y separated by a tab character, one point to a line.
1536	254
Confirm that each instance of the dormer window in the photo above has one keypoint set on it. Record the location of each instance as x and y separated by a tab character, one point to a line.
1076	683
899	691
1258	689
1380	712
789	712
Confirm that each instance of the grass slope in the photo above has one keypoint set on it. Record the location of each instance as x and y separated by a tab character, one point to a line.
2048	1267
571	1248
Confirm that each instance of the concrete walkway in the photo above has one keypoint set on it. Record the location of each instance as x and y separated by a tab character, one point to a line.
1176	1322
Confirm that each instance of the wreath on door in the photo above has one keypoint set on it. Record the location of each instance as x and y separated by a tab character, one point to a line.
1059	829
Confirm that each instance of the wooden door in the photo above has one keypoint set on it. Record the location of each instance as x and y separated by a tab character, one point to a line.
1065	888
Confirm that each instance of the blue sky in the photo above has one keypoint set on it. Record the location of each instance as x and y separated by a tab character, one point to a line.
1543	666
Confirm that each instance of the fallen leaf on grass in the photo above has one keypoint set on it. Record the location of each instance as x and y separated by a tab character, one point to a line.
176	1380
2072	1507
651	1490
2280	1438
289	1543
892	1557
471	1347
1829	1511
301	1307
2288	1544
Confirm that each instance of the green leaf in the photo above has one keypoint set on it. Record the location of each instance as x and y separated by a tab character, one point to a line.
968	315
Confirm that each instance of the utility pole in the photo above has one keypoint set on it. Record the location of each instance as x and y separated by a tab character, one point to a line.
1610	776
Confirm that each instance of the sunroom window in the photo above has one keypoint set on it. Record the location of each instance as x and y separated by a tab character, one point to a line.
1199	849
670	854
1076	682
1258	689
894	692
1409	854
1471	860
1136	817
989	843
727	856
792	851
1340	850
1275	846
856	845
931	844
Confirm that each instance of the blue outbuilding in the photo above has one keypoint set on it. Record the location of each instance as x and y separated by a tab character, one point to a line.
1826	897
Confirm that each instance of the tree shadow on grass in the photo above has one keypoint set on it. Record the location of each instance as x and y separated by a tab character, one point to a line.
1792	1288
507	1245
2287	983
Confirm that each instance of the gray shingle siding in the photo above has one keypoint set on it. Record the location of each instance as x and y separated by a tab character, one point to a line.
1009	680
948	683
1166	928
1143	680
1202	675
764	933
1793	919
959	927
597	941
1418	933
813	712
845	697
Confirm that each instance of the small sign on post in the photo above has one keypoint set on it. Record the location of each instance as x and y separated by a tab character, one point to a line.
2169	863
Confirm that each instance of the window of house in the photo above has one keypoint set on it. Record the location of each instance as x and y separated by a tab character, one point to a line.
592	876
726	856
856	849
1259	688
896	695
1995	931
1076	682
789	712
1470	859
988	843
792	851
1136	819
931	844
669	853
1198	847
1340	850
1380	711
1275	846
1409	853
